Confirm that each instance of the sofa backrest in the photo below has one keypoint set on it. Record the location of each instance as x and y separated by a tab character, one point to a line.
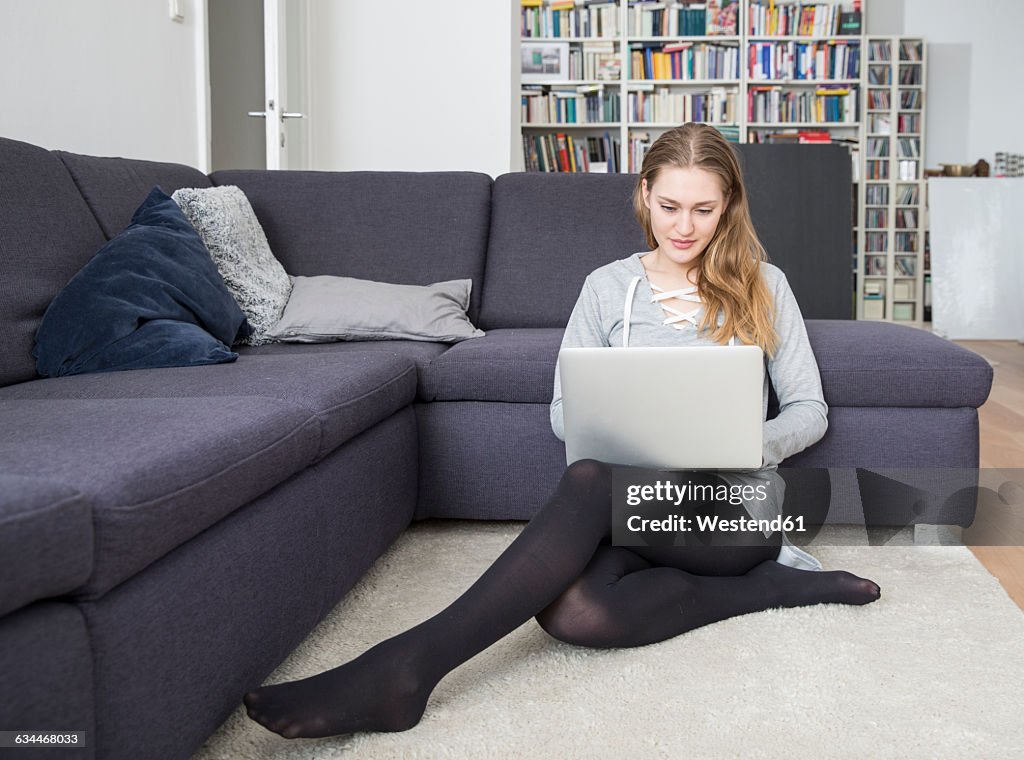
57	209
47	233
115	187
549	231
412	228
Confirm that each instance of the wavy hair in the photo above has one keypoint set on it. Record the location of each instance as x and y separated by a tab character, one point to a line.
729	278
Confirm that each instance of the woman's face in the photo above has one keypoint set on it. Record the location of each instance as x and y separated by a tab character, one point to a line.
685	206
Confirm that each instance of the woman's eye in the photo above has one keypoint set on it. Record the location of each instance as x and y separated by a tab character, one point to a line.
703	211
667	208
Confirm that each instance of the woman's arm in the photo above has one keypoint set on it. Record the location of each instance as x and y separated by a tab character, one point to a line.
585	328
803	414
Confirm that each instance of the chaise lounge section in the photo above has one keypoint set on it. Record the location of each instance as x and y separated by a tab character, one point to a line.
168	536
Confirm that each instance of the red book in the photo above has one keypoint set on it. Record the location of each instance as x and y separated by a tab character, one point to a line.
814	137
563	153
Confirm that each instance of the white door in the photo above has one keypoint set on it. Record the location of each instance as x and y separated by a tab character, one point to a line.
258	65
286	55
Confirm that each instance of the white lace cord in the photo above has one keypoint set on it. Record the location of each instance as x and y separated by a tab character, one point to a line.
676	317
683	294
628	309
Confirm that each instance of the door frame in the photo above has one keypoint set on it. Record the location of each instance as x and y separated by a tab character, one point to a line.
204	106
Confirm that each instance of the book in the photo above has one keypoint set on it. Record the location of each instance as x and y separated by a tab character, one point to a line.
903	312
723	17
903	291
849	23
563	152
810	138
571	152
874	308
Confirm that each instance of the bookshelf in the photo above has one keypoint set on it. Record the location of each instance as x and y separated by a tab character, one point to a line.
891	267
758	71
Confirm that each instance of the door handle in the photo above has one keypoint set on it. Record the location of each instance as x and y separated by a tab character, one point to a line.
263	115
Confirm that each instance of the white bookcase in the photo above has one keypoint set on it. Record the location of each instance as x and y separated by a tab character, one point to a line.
890	273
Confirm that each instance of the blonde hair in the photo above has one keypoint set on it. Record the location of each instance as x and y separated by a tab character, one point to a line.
729	275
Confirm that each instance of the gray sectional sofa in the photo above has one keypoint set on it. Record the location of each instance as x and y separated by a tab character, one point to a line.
168	536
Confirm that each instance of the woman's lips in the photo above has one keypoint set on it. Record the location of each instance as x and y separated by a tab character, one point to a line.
682	244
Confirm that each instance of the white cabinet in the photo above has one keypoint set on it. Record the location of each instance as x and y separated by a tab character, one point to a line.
977	252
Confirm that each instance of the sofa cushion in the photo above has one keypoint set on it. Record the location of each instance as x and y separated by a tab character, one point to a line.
114	187
861	364
548	232
884	438
346	393
157	471
882	364
151	297
516	365
47	233
412	228
45	539
420	353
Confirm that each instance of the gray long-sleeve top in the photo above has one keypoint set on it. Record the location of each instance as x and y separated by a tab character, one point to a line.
597	320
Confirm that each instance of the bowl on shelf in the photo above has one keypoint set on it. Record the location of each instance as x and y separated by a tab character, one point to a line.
957	170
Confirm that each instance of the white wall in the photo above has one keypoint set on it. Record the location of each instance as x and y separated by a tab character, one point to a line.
973	105
412	85
104	77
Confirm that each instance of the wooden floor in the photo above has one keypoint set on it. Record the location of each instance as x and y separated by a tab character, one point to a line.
1002	445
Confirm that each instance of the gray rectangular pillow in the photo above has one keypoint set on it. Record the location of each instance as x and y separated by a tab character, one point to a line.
327	308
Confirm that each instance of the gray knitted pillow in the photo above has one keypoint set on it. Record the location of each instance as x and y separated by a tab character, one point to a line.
227	224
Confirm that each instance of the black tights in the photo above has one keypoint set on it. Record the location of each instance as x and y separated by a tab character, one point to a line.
563	570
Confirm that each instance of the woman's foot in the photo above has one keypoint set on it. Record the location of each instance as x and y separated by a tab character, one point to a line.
791	587
378	691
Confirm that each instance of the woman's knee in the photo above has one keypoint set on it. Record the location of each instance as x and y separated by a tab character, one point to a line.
583	614
587	477
575	619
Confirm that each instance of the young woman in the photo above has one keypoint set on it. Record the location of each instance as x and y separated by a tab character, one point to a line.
705	281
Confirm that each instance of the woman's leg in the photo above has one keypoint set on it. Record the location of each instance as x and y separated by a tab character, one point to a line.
386	688
624	599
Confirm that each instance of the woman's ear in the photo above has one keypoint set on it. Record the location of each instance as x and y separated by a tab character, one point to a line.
645	191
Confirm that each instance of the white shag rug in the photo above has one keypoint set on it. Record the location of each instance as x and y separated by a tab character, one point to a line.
935	668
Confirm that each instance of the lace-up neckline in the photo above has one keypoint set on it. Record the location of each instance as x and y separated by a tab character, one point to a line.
677	319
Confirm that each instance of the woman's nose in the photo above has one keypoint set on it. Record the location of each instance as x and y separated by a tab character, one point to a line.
684	224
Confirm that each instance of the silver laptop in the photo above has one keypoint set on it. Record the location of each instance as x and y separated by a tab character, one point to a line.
693	407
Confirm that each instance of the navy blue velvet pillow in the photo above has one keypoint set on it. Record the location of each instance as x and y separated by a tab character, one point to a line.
151	297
